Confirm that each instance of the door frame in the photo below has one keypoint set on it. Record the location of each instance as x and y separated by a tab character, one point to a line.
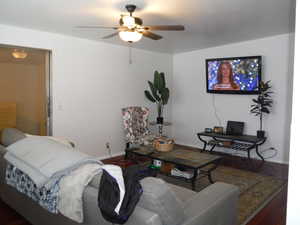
48	84
48	79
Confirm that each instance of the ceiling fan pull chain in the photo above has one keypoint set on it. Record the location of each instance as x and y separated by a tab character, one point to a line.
130	53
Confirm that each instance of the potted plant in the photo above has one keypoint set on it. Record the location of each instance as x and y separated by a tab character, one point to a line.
262	105
159	94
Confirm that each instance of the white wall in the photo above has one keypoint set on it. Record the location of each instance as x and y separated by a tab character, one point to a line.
192	108
92	81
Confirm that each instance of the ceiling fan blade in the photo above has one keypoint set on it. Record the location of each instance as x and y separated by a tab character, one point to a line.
123	28
151	35
111	35
97	27
165	27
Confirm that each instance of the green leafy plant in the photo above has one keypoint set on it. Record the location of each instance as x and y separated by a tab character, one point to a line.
263	103
159	92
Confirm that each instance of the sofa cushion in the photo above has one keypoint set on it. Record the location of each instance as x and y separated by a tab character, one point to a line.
11	135
183	194
159	198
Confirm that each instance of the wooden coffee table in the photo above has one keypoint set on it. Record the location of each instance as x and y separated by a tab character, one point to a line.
190	159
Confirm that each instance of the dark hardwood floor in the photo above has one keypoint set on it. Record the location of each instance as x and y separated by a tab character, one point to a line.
9	217
274	213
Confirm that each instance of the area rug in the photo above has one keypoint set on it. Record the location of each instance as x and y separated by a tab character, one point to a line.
255	190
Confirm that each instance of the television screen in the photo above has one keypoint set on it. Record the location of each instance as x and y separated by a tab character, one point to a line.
238	75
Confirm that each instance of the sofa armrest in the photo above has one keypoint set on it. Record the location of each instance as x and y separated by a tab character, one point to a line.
11	135
2	151
215	205
2	165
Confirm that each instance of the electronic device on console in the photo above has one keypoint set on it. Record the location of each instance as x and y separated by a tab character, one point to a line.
234	128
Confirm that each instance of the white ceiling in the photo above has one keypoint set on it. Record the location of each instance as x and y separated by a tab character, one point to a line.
208	22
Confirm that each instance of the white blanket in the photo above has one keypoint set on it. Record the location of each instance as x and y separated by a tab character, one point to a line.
71	189
45	160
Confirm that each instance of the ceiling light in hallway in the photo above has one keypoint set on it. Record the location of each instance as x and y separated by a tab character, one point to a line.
19	54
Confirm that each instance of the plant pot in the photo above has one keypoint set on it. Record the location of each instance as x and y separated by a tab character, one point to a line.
159	120
260	133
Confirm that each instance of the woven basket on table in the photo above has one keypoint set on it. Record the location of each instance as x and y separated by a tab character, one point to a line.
163	147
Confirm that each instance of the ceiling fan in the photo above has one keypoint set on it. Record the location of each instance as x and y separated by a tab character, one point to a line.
131	28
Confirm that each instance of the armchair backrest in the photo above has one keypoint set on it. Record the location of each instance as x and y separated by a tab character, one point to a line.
135	121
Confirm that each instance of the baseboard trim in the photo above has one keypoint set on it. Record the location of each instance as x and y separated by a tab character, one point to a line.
111	156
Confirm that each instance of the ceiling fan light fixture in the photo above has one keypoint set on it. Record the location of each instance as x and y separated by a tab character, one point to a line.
128	21
19	54
130	36
131	28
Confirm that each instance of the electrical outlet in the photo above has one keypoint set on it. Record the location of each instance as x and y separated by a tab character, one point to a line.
107	145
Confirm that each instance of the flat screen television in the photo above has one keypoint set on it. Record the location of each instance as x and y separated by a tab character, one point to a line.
236	75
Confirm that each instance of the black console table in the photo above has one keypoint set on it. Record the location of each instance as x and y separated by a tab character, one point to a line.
244	143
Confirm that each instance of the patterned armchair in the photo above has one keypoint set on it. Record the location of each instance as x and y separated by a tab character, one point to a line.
135	121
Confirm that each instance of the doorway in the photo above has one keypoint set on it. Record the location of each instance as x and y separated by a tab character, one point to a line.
25	85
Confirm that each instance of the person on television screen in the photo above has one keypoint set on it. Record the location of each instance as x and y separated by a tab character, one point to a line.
225	78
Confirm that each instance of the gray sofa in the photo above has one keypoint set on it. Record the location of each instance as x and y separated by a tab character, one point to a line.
160	204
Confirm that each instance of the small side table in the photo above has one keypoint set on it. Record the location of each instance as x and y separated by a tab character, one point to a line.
160	126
